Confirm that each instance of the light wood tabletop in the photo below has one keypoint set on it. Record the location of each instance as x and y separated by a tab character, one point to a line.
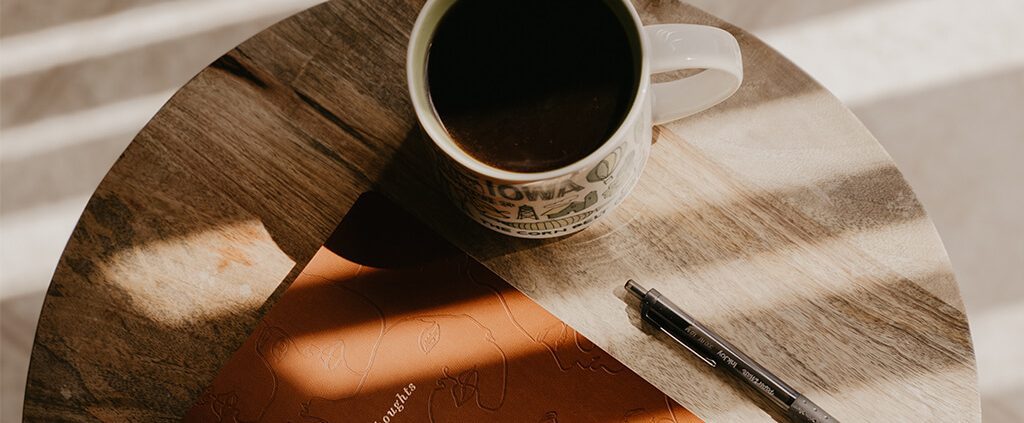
775	218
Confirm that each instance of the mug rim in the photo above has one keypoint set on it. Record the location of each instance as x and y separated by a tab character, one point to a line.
431	124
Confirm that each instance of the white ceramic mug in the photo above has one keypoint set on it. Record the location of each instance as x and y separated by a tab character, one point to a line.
565	200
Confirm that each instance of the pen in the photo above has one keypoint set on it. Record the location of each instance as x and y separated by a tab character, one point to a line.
717	352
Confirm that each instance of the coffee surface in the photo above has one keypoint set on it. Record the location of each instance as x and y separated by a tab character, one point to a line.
530	85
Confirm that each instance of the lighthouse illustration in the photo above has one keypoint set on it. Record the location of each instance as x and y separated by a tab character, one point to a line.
526	212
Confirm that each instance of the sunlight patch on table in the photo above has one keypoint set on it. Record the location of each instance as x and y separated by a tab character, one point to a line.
765	144
199	276
773	279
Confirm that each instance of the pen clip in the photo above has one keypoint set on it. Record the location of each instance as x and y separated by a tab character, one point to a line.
657	321
686	345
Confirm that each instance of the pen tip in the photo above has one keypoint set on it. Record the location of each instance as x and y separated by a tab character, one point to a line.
635	289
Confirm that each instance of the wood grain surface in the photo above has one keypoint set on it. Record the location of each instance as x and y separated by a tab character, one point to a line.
775	218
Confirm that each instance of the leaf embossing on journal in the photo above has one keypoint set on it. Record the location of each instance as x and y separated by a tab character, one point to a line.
429	337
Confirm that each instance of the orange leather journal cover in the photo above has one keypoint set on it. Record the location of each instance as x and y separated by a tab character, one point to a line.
390	323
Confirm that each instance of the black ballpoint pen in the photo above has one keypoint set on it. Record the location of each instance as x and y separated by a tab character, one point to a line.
713	350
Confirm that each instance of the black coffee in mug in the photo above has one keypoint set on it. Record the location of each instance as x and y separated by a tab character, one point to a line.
531	85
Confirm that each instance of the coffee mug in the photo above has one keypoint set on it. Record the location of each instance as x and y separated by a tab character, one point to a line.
568	199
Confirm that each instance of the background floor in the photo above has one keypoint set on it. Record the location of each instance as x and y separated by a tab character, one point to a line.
939	82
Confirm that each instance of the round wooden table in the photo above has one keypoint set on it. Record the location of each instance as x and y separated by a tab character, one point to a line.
775	218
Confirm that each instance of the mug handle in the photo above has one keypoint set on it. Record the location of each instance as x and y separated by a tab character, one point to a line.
686	46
